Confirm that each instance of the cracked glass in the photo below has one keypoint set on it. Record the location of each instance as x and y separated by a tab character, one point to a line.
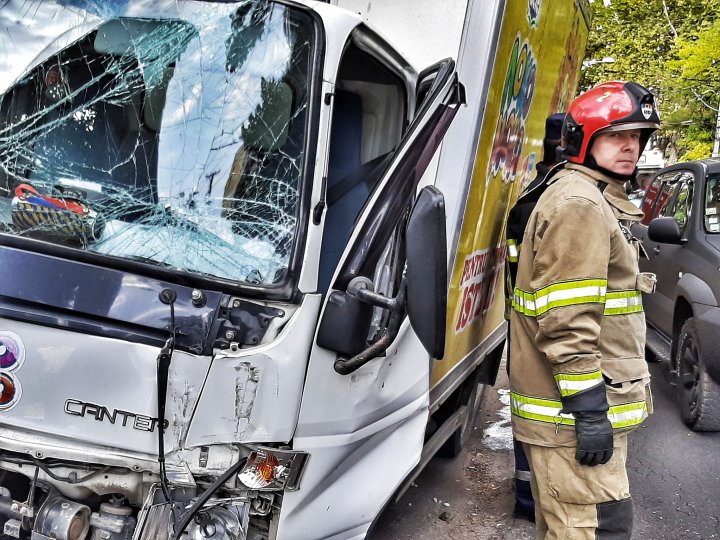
166	132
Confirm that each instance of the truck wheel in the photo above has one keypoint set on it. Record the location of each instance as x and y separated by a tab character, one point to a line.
457	441
699	393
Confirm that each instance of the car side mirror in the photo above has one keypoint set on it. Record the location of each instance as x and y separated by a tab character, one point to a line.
665	230
422	292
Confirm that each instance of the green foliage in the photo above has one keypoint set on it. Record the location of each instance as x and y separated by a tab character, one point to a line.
673	48
699	151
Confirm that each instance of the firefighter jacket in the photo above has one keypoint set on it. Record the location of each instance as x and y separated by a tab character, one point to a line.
577	318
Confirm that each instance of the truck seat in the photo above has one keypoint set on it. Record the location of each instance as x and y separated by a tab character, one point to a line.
136	158
262	200
140	144
349	182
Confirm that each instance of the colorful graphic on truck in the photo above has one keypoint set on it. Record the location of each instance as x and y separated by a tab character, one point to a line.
533	12
535	74
517	96
479	281
570	67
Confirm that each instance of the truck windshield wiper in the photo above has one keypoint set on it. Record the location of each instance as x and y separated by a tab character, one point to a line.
147	260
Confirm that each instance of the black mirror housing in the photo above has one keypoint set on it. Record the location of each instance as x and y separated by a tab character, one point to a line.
422	292
426	273
345	324
665	230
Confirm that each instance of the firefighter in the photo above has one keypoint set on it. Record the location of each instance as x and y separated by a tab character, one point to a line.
551	142
579	380
524	505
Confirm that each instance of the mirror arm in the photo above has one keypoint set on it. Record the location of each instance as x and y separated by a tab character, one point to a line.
375	299
362	288
345	366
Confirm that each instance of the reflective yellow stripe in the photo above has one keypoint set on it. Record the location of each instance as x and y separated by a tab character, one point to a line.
548	411
623	302
572	383
630	414
574	293
570	293
513	251
542	410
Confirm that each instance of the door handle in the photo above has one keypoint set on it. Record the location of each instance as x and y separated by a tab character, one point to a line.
656	250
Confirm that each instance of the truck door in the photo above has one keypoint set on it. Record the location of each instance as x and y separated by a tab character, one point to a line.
364	428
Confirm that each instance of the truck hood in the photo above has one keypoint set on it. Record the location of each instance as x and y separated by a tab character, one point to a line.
78	365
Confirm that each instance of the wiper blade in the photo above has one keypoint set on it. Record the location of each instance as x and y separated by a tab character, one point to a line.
147	260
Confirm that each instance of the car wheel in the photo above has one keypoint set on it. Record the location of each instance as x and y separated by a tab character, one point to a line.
699	393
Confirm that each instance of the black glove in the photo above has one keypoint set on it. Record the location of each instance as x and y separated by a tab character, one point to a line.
594	438
592	427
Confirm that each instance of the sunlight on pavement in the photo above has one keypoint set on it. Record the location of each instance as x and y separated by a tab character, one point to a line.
498	435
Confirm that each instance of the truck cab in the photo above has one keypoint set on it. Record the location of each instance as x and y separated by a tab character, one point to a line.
246	295
206	211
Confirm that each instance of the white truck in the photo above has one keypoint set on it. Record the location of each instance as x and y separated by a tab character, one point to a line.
246	293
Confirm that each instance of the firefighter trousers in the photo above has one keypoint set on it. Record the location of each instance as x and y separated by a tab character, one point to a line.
577	502
524	504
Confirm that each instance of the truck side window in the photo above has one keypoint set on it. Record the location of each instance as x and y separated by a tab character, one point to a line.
387	276
368	116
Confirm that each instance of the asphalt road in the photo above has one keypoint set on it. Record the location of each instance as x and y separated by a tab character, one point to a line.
674	478
674	472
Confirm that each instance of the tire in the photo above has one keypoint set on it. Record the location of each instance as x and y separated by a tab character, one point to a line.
698	392
458	440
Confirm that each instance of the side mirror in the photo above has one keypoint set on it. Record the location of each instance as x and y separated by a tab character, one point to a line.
422	292
426	274
665	230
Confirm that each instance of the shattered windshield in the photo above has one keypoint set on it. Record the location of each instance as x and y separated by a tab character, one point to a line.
166	132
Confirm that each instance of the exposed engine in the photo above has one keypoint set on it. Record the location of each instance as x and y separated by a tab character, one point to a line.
53	499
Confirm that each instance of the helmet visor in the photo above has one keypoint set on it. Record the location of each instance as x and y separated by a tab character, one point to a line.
630	125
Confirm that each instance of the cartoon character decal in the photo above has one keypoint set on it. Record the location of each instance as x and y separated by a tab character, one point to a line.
533	12
517	95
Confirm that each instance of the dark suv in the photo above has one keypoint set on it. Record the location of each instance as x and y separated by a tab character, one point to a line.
681	236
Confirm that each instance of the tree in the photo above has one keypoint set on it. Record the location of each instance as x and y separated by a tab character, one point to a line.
695	84
672	47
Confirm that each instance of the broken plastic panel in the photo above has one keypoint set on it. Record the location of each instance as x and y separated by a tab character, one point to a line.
170	133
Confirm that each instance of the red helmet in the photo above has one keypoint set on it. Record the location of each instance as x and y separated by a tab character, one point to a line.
611	106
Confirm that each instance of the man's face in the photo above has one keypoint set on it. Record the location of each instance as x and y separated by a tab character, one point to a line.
617	151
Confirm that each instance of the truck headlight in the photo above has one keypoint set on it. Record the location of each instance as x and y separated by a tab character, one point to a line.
270	469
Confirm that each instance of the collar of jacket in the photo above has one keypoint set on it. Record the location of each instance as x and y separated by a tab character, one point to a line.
614	193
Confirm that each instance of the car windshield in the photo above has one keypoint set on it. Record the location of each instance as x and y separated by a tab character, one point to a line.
170	133
712	203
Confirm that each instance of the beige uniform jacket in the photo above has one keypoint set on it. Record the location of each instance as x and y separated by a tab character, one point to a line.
577	318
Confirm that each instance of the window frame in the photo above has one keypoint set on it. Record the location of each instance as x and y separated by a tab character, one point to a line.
705	203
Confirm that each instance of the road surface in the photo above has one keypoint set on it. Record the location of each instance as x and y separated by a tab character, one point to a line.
674	478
